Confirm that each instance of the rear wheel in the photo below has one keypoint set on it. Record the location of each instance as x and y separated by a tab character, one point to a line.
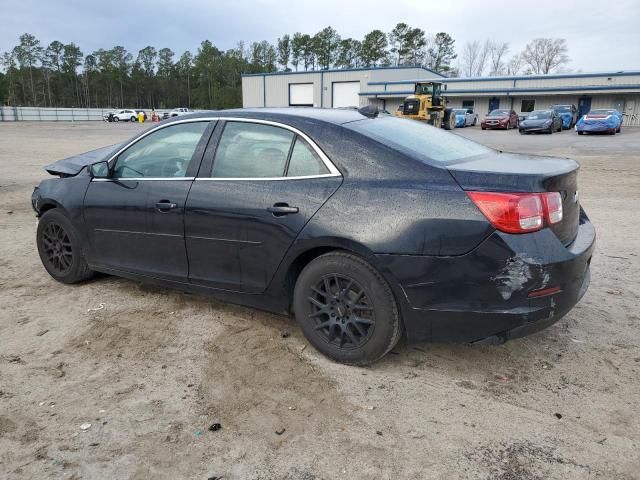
346	309
133	119
60	249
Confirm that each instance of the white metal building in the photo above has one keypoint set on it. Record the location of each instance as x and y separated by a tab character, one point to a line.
388	86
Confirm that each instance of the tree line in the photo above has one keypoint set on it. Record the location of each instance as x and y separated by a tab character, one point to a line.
61	75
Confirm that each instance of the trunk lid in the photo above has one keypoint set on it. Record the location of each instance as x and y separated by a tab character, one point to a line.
515	173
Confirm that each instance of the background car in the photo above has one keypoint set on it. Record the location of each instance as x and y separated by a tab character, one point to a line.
125	115
606	120
500	118
297	211
541	121
568	113
465	117
176	112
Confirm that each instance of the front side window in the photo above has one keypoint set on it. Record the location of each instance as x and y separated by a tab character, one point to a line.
165	153
252	150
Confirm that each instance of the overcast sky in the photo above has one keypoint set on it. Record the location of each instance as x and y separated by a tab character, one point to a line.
602	35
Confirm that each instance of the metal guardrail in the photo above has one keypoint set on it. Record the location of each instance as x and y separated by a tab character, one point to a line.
45	114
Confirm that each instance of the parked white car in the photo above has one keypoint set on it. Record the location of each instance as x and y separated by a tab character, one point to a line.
176	112
125	115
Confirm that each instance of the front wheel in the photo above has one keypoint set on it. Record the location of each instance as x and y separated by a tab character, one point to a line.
346	309
60	248
580	132
116	119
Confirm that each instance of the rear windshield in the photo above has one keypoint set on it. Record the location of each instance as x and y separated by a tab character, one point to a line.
421	141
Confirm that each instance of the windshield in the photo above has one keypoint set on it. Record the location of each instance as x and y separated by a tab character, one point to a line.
424	89
563	108
602	112
424	142
460	111
538	115
499	113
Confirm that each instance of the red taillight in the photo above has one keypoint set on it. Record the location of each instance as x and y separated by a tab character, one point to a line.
519	212
553	207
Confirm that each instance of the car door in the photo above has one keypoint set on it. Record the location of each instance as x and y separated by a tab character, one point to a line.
135	216
259	184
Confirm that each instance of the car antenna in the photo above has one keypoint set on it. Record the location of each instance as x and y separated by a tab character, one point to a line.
370	111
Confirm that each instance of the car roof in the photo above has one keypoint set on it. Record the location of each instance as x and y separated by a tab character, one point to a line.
319	115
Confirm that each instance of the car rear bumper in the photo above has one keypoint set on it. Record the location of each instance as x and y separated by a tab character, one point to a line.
485	295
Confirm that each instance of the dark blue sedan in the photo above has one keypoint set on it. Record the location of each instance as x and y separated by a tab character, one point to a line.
362	226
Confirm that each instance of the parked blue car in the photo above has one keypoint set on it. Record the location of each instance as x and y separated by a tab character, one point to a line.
607	120
465	117
568	114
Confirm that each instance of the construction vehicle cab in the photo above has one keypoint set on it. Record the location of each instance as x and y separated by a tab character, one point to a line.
428	105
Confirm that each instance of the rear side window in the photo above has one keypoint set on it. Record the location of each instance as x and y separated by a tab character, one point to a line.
304	161
252	150
421	141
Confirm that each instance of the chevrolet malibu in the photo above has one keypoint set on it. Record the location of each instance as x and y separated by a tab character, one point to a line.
362	226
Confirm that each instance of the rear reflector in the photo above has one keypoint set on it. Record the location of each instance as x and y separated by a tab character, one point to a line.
544	292
519	212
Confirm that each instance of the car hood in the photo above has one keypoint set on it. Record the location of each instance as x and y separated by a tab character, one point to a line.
73	165
535	123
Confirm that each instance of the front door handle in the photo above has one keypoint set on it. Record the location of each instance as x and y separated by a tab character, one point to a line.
281	209
165	205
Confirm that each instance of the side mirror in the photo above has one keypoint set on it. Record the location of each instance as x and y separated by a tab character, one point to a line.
99	170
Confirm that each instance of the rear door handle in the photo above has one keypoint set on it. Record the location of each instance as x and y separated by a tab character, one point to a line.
165	205
281	209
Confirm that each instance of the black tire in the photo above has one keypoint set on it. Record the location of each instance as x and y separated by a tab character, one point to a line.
116	119
475	121
60	248
521	132
346	309
580	133
132	119
449	120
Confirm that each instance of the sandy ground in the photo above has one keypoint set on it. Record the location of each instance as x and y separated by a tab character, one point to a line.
153	369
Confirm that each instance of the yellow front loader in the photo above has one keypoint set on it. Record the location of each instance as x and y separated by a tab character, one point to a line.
427	104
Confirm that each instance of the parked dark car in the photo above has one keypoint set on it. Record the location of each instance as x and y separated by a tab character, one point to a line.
361	226
501	118
541	121
568	114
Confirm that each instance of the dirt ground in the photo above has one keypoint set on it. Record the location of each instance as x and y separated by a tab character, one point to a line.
151	369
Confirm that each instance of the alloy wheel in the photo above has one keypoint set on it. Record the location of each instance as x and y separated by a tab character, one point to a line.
57	248
342	311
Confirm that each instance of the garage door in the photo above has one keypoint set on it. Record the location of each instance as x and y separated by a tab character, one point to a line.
345	94
301	94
